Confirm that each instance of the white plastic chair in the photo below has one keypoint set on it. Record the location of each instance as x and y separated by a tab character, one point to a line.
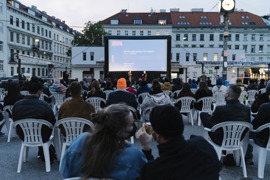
168	92
142	96
262	152
185	107
175	94
263	90
251	96
107	92
219	98
42	95
33	138
9	121
232	141
59	99
206	107
96	102
193	90
25	93
73	128
242	97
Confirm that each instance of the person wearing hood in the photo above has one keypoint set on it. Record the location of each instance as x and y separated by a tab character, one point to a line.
167	85
177	84
219	87
154	98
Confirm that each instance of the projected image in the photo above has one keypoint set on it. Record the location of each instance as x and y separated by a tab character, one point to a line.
137	55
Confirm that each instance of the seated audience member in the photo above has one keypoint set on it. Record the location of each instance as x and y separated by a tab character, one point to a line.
76	107
57	87
209	82
185	91
219	87
252	85
178	84
120	95
166	85
95	90
143	87
262	84
178	158
203	91
154	98
261	98
130	88
46	91
105	153
31	107
108	85
240	83
193	84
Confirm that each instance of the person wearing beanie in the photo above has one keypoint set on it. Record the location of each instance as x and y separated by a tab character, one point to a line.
261	98
219	87
178	158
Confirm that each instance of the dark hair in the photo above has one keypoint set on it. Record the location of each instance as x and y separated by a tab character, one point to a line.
203	86
234	91
186	87
34	85
101	148
94	87
193	80
156	86
13	94
75	88
167	79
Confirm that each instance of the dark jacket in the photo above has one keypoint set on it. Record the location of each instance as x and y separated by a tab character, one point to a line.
143	89
177	85
32	107
97	94
122	96
232	111
263	117
185	160
200	94
261	98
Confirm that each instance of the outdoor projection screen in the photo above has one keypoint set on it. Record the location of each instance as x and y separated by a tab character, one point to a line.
145	53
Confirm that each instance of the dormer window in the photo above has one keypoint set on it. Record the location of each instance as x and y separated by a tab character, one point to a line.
203	17
114	21
162	21
138	21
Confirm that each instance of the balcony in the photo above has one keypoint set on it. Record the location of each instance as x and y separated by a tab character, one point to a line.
12	60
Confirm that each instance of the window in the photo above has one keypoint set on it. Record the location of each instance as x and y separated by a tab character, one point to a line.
252	48
162	21
11	20
28	26
203	17
237	37
38	30
205	56
1	8
23	24
42	32
50	34
42	44
23	39
126	33
1	65
46	46
230	37
229	46
12	71
84	56
193	37
187	56
138	21
1	27
245	48
211	46
193	45
260	58
194	56
252	37
234	57
182	17
11	37
149	33
33	28
185	37
141	33
261	37
118	32
215	56
1	46
28	40
260	48
17	22
236	47
46	33
114	21
177	56
201	46
211	38
201	37
38	71
177	37
133	33
220	37
245	37
220	46
92	56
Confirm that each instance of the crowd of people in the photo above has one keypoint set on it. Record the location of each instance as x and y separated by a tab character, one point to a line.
105	152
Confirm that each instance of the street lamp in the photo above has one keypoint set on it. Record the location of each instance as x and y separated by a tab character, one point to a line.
225	8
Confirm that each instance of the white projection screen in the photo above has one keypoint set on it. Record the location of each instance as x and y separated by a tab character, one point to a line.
147	53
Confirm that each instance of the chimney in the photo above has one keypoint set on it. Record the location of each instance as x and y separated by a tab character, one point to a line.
197	10
162	10
174	10
124	11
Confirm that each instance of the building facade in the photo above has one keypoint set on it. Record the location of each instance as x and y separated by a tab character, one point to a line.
29	37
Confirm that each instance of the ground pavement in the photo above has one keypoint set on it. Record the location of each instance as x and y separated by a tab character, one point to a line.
35	168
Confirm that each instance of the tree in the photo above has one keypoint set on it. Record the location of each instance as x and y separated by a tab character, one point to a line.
91	35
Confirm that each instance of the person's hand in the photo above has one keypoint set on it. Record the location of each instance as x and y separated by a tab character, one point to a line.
144	138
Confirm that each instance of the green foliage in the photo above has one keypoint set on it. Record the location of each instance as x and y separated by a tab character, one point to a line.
91	35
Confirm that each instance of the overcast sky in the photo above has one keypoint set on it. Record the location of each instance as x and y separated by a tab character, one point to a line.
78	12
